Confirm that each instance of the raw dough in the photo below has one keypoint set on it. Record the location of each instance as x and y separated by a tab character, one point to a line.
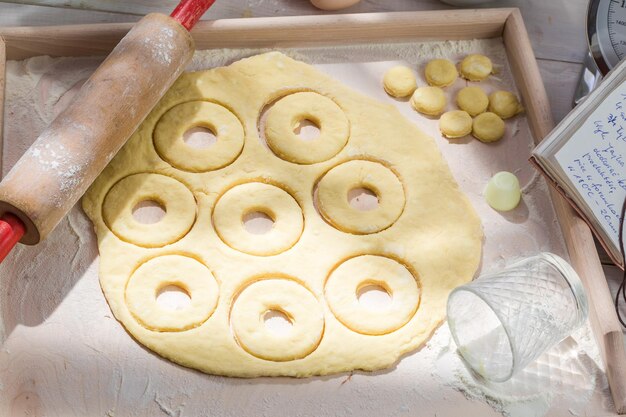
429	100
505	104
488	127
440	73
168	136
473	100
333	196
399	82
431	247
455	124
270	200
288	112
476	67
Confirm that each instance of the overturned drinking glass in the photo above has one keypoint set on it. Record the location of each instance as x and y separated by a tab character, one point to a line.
503	321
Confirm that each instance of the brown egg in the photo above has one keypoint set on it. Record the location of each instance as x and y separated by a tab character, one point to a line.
333	4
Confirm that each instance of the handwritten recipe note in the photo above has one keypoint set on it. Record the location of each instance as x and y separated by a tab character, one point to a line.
594	159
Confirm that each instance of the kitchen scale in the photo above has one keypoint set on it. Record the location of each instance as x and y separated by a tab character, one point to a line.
606	34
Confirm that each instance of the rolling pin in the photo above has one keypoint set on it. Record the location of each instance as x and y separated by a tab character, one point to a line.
72	151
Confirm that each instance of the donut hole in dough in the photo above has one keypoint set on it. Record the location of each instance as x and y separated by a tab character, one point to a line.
505	104
235	206
399	82
198	119
476	67
258	222
374	296
488	127
362	198
199	137
129	193
429	100
149	212
299	306
440	73
455	124
307	130
277	321
284	116
147	286
351	277
473	100
333	197
173	297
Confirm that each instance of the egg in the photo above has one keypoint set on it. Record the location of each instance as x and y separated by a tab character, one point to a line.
333	4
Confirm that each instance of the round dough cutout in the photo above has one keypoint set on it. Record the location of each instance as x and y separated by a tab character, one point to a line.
288	112
429	100
289	298
177	200
476	67
183	272
455	124
488	127
399	81
344	283
238	202
505	104
169	131
332	197
440	73
473	100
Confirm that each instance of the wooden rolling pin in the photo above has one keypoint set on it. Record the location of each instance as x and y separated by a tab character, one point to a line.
68	156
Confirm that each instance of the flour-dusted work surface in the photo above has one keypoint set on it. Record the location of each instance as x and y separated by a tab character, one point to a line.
64	353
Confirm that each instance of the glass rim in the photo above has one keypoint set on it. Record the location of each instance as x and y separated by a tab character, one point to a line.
506	332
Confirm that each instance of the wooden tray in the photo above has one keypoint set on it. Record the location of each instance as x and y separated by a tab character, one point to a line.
99	39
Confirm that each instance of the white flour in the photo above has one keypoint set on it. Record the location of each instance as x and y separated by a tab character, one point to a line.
51	291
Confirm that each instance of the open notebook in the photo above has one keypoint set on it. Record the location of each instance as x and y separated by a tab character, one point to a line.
585	158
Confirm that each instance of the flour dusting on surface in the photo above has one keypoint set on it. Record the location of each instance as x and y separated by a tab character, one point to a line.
57	329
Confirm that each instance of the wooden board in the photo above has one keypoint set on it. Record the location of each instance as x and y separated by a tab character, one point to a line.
418	26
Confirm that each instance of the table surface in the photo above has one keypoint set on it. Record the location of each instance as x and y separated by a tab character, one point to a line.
556	29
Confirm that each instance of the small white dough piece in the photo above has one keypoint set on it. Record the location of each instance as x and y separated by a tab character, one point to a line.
399	81
503	191
429	100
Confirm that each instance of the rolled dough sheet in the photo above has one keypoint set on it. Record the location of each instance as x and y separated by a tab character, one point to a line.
422	240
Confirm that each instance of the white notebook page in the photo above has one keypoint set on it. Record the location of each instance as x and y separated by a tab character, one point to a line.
594	159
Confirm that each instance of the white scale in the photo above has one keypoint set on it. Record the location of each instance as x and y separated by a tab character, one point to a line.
606	34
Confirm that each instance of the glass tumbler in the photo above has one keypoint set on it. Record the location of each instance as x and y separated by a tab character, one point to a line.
503	321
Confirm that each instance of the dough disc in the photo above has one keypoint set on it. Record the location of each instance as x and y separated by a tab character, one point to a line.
424	241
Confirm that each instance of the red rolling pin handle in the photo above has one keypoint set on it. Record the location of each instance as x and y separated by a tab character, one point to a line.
188	12
11	231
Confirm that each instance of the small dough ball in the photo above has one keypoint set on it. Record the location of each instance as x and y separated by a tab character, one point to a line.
440	73
333	4
476	67
399	82
429	100
503	192
455	124
505	104
473	100
488	127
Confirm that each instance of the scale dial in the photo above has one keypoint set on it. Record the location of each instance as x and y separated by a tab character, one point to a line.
606	31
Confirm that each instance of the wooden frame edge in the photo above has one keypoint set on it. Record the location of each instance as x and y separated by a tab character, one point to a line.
3	59
578	237
99	39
